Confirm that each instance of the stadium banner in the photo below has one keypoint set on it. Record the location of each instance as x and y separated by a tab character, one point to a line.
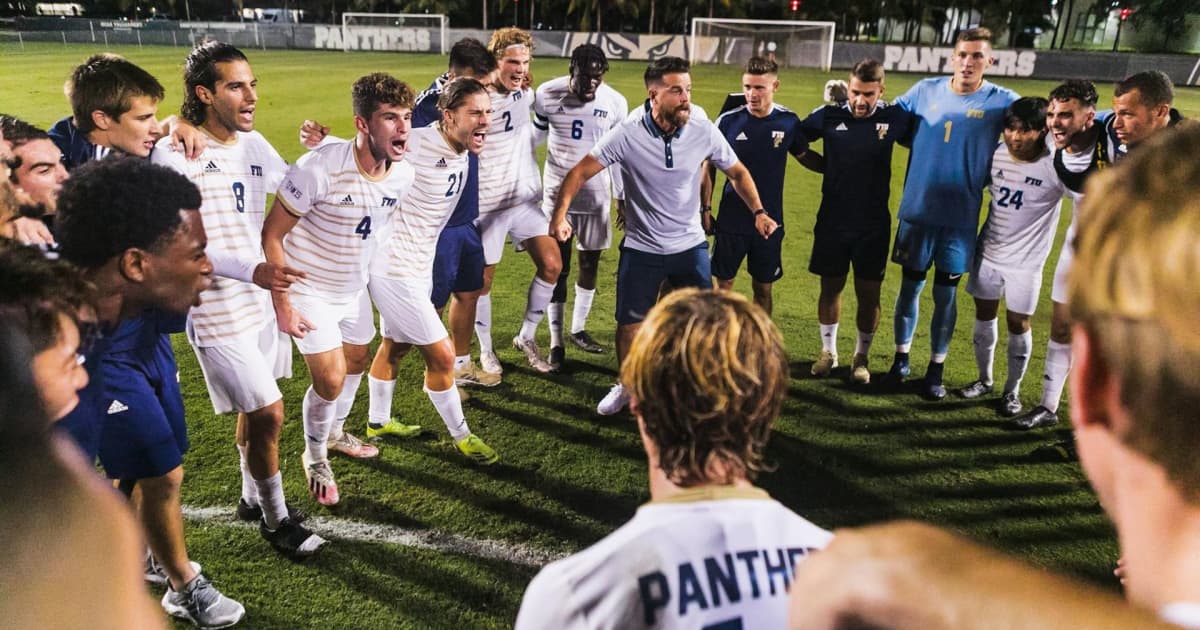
1033	64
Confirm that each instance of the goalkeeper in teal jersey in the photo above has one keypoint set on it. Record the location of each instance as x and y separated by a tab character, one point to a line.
958	123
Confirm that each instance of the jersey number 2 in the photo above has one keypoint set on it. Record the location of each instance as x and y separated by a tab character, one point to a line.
507	116
364	227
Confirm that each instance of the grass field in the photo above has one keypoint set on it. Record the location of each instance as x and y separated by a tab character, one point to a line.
842	455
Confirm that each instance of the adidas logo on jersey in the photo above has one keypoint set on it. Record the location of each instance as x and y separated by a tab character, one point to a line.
347	200
741	136
840	127
441	163
211	167
117	407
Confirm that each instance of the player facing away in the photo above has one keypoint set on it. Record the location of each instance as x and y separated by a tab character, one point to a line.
240	349
1013	245
402	270
327	215
576	111
1141	107
958	119
660	156
510	197
762	134
708	375
134	230
854	224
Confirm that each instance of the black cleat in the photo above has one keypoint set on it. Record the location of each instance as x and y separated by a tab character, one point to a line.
898	372
291	539
585	342
933	389
1036	419
558	356
1058	452
251	513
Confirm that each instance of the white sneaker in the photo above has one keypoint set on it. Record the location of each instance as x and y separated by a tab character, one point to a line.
825	362
156	575
614	401
530	349
202	604
490	363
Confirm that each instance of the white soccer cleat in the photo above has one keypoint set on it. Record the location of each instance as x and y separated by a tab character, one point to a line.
614	401
490	363
530	349
321	485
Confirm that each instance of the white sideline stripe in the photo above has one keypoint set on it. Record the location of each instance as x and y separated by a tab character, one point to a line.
362	531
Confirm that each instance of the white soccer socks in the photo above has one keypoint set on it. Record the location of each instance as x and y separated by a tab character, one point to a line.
344	402
449	407
985	348
1058	365
379	410
538	299
318	420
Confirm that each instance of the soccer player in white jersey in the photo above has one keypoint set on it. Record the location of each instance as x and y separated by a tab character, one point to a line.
402	271
327	216
708	375
510	197
660	157
576	110
233	331
1013	246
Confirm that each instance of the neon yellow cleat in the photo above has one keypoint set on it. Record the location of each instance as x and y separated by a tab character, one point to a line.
474	448
394	428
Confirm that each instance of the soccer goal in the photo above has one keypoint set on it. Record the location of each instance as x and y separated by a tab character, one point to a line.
407	32
792	44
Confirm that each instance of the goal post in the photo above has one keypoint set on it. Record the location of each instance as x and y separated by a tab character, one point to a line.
410	32
791	43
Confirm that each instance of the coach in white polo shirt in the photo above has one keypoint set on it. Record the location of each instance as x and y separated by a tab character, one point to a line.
659	156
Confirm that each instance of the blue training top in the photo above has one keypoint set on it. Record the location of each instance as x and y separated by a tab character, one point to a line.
763	145
955	136
858	164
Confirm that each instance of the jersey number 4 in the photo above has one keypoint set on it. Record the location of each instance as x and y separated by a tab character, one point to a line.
364	227
1010	198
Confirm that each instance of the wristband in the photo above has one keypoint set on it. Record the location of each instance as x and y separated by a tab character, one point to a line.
705	209
759	211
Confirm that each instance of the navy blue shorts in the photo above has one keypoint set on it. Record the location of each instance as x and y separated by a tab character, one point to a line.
144	434
458	265
640	276
834	251
764	256
950	250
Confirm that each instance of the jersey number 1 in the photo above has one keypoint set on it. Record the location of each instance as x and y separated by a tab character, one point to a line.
949	123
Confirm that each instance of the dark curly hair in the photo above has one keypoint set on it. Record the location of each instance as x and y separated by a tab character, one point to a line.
378	88
118	203
1079	89
200	68
35	291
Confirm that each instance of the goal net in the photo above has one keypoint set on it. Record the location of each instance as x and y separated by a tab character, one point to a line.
406	32
792	44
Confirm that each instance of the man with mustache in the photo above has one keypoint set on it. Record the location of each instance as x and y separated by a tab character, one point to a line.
660	156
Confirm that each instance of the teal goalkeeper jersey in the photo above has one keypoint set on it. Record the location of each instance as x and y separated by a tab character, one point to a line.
955	136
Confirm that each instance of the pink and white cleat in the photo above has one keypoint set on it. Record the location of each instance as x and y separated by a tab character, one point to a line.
321	485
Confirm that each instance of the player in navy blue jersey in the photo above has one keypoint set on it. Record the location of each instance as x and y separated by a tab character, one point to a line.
854	224
958	123
762	134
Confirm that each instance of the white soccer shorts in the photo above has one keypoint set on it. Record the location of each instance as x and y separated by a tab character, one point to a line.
520	223
406	313
593	232
345	319
241	375
1019	287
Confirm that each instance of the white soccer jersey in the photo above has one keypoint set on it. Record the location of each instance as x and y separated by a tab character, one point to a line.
342	212
508	170
234	179
439	172
1023	214
574	127
707	557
